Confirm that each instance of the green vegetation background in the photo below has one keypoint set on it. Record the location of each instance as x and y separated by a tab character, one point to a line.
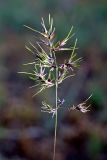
22	125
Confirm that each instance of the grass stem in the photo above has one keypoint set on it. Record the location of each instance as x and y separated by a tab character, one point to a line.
56	115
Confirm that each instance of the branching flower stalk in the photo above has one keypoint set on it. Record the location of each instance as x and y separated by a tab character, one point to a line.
48	72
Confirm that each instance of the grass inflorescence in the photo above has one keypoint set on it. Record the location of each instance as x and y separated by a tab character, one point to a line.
47	71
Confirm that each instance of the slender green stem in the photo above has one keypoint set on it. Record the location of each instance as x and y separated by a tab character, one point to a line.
56	115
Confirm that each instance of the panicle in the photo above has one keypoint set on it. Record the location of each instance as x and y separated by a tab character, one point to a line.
44	61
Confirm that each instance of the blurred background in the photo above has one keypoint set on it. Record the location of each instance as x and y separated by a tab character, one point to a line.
25	132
